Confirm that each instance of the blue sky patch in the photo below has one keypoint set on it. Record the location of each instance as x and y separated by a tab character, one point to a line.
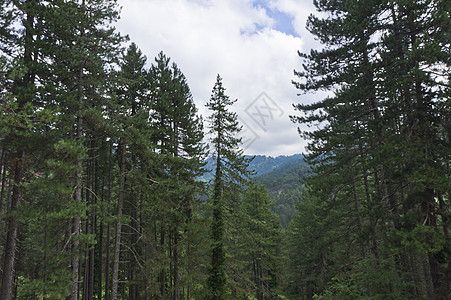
283	21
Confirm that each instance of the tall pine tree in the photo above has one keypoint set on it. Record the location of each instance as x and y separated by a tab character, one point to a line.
231	169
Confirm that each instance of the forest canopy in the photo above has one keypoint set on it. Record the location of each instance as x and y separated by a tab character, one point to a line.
102	164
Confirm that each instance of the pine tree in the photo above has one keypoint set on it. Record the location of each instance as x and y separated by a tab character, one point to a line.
131	102
177	136
231	169
83	45
18	104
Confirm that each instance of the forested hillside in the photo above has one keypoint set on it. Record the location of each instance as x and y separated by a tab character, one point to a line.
281	175
285	185
103	161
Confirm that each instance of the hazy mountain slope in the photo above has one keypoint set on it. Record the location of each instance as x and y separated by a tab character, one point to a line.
261	164
285	187
282	176
286	176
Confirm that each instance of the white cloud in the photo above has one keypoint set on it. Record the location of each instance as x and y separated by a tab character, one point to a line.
299	10
232	38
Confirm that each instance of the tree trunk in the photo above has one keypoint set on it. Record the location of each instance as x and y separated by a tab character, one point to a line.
100	249
428	207
445	222
24	96
163	271
176	271
427	278
86	263
107	263
75	237
99	262
92	224
108	232
78	185
117	246
9	254
78	199
3	188
358	214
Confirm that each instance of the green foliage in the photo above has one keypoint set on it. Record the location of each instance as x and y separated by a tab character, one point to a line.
424	239
370	278
377	155
231	172
257	251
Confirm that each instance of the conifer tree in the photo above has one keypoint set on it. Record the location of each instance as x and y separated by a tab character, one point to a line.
231	168
84	45
177	135
18	104
131	102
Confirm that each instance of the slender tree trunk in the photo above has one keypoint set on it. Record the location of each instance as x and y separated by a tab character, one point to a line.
45	260
86	263
217	276
427	278
176	271
415	271
92	223
87	256
374	245
100	250
75	236
3	188
358	215
163	271
117	246
171	270
9	254
134	230
99	262
78	183
78	199
432	221
107	263
445	222
108	234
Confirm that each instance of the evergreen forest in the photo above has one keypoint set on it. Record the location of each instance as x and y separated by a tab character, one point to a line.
113	186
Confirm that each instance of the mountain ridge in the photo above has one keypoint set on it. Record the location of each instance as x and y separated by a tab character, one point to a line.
261	164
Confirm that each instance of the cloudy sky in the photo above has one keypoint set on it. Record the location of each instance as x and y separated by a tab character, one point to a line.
253	46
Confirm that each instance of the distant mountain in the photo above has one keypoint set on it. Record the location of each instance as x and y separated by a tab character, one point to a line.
261	164
285	186
281	175
265	164
285	176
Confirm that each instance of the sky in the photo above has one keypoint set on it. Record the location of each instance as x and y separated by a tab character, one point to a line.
252	45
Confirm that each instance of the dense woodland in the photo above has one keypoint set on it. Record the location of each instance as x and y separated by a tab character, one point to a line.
374	219
103	154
